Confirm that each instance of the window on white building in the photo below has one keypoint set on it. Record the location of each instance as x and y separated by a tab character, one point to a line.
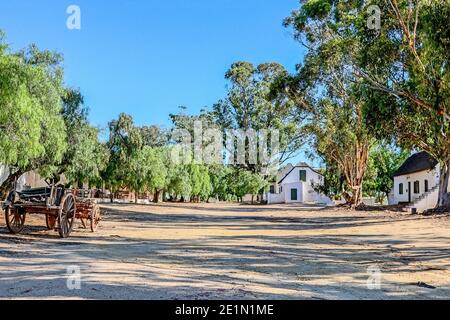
416	187
303	175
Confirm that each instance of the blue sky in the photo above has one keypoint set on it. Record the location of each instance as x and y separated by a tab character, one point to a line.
147	57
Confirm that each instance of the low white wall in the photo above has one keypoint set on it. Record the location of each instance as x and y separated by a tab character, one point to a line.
275	198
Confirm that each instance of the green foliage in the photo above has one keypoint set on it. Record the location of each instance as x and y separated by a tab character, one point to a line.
156	174
200	182
401	70
334	182
331	95
124	144
85	157
154	136
180	183
384	161
221	177
32	130
251	103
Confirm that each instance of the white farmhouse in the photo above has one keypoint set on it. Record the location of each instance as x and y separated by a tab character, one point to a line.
416	183
296	185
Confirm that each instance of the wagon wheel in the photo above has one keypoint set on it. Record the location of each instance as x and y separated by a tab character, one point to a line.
15	220
50	221
95	217
66	215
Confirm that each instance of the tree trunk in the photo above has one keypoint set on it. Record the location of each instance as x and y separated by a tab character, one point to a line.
354	168
8	184
444	195
136	197
156	196
356	199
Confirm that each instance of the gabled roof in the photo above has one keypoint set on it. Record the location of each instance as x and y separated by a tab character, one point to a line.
300	165
418	162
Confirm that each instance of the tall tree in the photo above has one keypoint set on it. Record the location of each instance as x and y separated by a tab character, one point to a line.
32	130
326	89
124	143
402	66
86	157
156	175
340	137
252	104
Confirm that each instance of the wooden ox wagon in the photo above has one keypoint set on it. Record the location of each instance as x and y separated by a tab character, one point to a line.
60	206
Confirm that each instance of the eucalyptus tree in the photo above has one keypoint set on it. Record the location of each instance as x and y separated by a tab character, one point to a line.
154	136
401	66
251	104
326	90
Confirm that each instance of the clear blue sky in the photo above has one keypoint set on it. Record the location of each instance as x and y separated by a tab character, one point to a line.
147	57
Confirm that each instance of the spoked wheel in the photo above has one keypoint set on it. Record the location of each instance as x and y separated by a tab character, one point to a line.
50	221
95	217
15	219
66	215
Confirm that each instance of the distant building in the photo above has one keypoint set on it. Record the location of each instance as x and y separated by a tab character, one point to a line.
296	184
28	180
416	183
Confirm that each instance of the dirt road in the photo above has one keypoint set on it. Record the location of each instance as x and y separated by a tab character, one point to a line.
217	251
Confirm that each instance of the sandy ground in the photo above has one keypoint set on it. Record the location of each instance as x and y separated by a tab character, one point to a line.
174	251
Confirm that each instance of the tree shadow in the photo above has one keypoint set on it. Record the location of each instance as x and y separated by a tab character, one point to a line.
250	265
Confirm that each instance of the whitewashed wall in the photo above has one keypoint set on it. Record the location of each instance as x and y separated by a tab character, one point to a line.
275	198
305	190
433	179
23	180
3	173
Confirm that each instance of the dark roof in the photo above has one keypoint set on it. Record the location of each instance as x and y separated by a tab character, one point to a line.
300	165
418	162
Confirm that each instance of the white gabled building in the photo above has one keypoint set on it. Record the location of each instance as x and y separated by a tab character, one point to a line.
416	183
296	185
